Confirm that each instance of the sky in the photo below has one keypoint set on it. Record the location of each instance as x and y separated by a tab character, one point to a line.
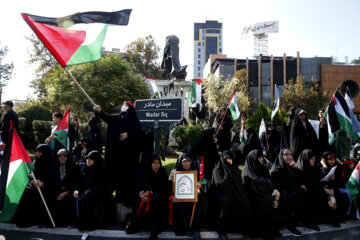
324	28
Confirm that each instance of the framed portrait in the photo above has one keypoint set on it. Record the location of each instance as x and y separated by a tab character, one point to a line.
184	186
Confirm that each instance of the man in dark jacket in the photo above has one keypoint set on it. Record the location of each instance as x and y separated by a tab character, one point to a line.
10	116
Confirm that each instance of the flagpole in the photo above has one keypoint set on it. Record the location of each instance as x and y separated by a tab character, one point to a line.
267	143
227	108
42	197
83	91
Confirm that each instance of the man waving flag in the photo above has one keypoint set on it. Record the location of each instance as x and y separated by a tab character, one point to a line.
14	175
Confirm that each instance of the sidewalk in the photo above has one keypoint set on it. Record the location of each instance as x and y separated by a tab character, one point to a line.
121	234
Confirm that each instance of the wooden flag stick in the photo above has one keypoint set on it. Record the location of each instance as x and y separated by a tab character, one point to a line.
82	90
192	214
42	197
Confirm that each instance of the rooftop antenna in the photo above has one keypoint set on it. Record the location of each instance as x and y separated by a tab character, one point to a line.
260	32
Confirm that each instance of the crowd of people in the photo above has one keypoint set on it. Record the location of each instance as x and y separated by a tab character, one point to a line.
256	188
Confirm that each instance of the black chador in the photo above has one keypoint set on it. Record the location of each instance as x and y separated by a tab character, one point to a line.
260	189
302	135
229	200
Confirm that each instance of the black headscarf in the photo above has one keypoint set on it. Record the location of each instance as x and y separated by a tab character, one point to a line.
44	165
302	138
227	180
151	181
95	175
178	165
253	169
286	177
252	138
312	174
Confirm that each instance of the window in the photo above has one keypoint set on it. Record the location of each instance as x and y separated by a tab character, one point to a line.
199	62
199	43
198	68
199	55
220	50
198	74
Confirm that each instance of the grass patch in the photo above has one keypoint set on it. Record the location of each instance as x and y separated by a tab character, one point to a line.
169	163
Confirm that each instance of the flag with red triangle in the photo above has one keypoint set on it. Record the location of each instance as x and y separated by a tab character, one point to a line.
75	46
61	133
14	175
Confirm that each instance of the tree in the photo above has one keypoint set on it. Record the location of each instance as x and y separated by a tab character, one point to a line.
109	82
356	61
143	55
6	69
218	92
311	100
41	56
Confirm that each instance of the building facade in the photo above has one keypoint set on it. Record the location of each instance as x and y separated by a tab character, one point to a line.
264	72
208	39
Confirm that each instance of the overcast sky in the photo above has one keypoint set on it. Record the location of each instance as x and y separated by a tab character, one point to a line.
323	27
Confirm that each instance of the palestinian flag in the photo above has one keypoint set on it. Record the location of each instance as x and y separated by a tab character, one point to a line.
276	103
71	46
338	117
14	176
62	131
353	184
243	137
195	94
154	88
350	103
78	130
262	128
235	112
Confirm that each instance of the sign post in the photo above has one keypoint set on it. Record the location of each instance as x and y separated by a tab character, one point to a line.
159	110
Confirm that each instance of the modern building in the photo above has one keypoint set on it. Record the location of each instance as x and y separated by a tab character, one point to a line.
264	72
208	39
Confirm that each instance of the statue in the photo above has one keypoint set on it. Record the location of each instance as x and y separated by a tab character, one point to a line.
171	59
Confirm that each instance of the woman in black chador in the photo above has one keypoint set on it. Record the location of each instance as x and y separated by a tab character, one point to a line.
224	134
93	193
271	141
94	134
263	196
337	184
206	148
182	211
229	201
31	210
252	143
122	149
294	198
302	135
151	199
64	180
318	193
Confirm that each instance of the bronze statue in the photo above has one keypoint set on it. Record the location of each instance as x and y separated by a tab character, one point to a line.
171	59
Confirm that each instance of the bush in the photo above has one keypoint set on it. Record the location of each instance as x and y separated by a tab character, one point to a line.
42	129
30	113
193	132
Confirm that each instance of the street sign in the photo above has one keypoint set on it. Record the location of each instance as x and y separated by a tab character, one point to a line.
163	110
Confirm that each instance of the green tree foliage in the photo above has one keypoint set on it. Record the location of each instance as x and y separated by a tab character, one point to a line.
356	61
6	69
143	54
263	111
45	62
185	134
109	82
311	99
30	112
218	92
42	129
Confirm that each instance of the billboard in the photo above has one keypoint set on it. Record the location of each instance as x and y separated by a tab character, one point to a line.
260	28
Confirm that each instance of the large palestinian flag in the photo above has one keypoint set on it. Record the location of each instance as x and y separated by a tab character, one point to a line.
338	117
71	46
14	176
